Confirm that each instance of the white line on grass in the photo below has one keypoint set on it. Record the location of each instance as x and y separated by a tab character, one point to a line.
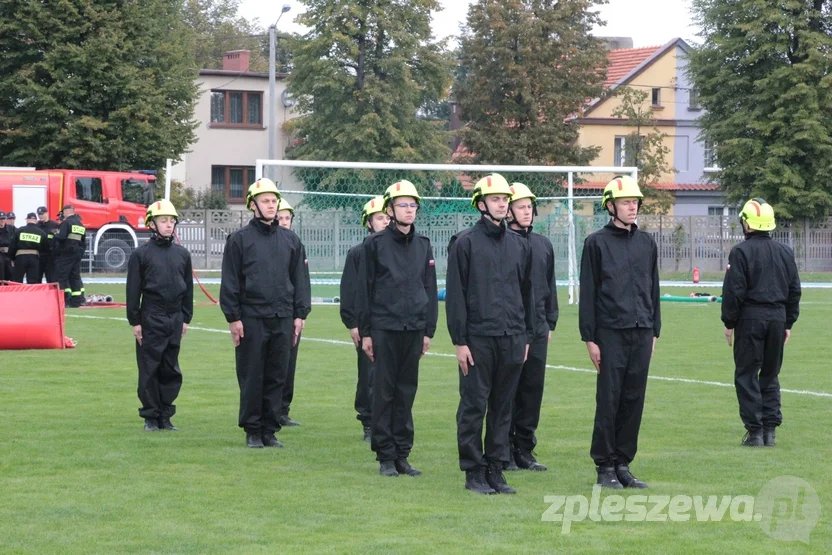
447	355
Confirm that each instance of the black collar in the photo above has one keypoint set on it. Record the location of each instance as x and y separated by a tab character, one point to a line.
492	229
264	227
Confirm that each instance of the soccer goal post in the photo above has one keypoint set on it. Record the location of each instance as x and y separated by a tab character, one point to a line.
328	197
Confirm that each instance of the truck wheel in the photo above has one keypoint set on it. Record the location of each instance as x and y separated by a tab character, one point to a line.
113	256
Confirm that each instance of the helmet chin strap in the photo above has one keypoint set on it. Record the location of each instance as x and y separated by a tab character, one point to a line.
514	219
488	213
260	215
158	236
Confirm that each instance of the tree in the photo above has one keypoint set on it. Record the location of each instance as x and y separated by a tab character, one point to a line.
95	84
764	77
526	68
647	151
218	29
360	75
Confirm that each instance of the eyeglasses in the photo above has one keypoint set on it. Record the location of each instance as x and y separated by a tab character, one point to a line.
407	205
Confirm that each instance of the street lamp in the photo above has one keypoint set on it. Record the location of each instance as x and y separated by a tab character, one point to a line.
272	95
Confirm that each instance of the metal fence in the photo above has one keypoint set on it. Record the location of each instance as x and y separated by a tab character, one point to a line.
685	242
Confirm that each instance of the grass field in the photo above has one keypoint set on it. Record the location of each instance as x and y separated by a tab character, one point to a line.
78	474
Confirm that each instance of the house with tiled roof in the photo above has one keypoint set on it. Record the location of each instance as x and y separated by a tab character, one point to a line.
661	72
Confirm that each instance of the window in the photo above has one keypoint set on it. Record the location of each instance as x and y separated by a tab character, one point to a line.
693	99
89	188
625	149
233	181
136	191
620	152
236	108
655	97
710	156
722	211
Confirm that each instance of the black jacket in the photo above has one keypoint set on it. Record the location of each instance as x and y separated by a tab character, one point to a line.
397	283
159	280
761	283
264	274
28	237
349	287
5	239
619	282
71	237
489	284
50	227
543	281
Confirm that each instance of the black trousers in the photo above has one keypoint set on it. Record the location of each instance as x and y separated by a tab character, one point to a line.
68	274
395	380
262	364
487	394
758	356
6	273
364	388
289	388
525	414
47	268
619	393
28	266
160	378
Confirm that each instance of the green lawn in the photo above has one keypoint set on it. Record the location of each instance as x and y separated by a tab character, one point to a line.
78	474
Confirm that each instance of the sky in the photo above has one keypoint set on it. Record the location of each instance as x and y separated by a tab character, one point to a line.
647	22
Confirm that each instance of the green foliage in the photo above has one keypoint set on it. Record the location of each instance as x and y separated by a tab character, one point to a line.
526	68
205	200
95	84
218	28
360	75
764	75
645	150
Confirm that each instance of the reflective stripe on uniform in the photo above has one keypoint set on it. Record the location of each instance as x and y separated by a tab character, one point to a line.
74	236
30	237
4	249
26	251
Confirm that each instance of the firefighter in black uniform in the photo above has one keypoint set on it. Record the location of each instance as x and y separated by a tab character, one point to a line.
265	296
285	217
5	243
490	312
26	247
70	245
374	219
620	320
160	305
760	304
398	306
47	261
10	229
526	412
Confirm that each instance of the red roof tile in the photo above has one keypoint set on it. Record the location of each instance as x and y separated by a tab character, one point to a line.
624	60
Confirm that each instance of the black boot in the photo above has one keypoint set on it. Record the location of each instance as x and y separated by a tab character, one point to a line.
403	467
526	461
626	477
387	468
607	477
270	441
368	434
494	477
768	437
254	441
166	424
512	464
286	421
475	481
753	438
151	425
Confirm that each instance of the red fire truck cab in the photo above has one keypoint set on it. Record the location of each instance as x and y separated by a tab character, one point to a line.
112	205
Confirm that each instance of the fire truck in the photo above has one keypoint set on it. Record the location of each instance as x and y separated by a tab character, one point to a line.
112	205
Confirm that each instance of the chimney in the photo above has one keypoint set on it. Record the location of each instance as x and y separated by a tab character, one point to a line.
236	60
